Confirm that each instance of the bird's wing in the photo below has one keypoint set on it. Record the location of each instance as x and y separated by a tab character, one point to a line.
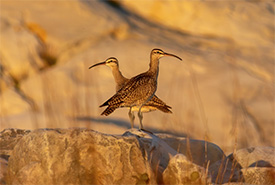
137	88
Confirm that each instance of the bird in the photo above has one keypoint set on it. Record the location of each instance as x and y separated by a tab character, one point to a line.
139	89
154	104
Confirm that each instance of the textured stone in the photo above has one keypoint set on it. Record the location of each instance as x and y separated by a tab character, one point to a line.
226	170
182	171
3	170
258	175
83	156
251	156
253	165
77	156
198	151
8	139
158	152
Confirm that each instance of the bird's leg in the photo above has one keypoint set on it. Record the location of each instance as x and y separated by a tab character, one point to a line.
132	117
140	117
140	113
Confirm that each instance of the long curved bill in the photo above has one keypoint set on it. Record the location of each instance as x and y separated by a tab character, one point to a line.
172	55
98	64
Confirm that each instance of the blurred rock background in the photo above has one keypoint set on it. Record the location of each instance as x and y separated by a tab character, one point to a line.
223	91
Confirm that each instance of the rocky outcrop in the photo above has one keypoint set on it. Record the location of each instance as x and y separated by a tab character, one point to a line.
83	156
77	156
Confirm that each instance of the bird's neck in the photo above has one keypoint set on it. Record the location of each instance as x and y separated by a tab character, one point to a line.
119	78
154	67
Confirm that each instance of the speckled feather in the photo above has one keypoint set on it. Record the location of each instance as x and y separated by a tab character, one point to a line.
134	93
139	90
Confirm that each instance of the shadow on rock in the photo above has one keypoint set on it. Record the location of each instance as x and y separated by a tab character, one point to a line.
126	125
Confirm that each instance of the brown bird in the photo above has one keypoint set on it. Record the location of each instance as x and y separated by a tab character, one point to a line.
138	90
154	104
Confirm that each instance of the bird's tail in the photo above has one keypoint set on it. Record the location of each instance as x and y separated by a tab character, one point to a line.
159	104
165	108
105	103
109	110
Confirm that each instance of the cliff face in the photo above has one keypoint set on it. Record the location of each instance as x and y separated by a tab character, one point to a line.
235	21
223	90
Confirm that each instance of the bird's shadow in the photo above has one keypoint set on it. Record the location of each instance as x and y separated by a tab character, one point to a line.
125	124
107	121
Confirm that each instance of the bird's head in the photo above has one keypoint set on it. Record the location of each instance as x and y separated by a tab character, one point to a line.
158	53
111	62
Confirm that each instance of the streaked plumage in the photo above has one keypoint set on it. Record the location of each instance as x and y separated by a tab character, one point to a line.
154	104
139	90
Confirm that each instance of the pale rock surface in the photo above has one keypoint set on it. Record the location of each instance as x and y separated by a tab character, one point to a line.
77	156
8	139
83	156
257	175
154	150
251	156
182	171
19	60
3	170
253	165
258	164
198	151
13	103
211	18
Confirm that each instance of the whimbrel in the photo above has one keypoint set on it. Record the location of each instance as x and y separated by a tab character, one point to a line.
154	104
138	90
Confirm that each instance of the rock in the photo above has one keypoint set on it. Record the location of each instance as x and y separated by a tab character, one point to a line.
226	170
3	170
59	156
162	147
158	152
198	151
18	49
252	165
251	156
210	18
31	42
257	175
78	156
83	156
8	139
13	104
236	183
31	31
182	171
258	164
